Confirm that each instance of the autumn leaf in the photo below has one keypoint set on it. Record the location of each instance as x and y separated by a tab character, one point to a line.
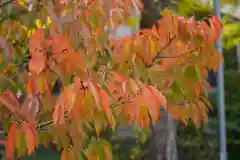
99	149
67	153
195	115
11	142
38	63
30	134
5	99
61	44
102	80
31	105
58	114
94	90
38	60
105	100
216	23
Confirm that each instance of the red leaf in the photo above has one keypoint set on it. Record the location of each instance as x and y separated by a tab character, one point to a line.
11	142
113	4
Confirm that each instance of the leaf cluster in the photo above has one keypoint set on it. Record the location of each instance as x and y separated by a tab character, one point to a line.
102	82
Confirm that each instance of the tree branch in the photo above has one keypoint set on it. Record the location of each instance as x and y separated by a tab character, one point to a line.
163	49
3	4
179	55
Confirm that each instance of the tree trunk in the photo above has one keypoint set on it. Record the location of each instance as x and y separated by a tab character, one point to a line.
163	139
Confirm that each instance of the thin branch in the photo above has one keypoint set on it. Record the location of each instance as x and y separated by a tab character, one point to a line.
3	4
163	49
169	57
42	125
179	55
185	102
48	123
126	101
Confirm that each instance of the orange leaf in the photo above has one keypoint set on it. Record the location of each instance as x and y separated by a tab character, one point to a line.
38	60
11	142
30	134
58	114
38	63
159	96
195	115
61	44
35	41
216	23
30	84
67	154
105	99
94	90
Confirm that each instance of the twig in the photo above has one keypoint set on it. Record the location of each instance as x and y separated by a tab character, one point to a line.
179	55
163	49
44	124
3	4
185	102
126	101
175	56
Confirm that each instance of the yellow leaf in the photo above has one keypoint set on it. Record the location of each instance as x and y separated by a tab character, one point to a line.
195	115
174	111
1	59
153	47
22	3
205	100
203	111
99	122
38	23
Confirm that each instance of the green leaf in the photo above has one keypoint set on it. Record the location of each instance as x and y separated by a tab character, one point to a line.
191	74
10	81
21	143
97	147
178	91
143	71
5	126
93	21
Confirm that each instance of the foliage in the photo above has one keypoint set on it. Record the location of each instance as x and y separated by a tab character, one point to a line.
231	26
69	80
